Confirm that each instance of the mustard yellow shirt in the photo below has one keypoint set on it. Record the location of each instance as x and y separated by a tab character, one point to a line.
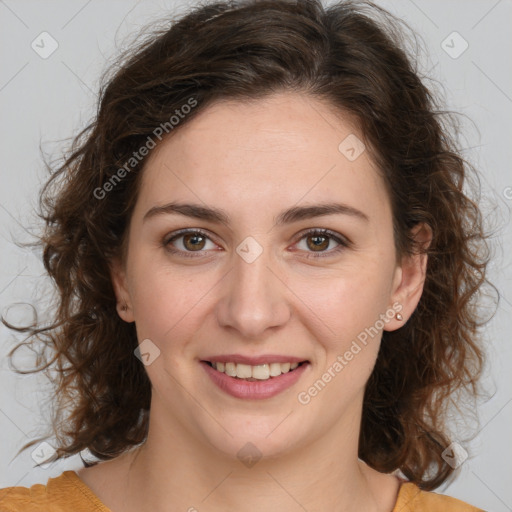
68	493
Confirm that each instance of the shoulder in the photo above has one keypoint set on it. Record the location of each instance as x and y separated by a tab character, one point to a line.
412	499
60	494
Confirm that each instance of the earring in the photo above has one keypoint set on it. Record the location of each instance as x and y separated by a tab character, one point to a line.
398	316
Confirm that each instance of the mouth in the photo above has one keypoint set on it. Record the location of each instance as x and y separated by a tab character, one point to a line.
257	381
253	373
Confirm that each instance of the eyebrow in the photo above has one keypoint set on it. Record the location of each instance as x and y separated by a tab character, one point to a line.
219	216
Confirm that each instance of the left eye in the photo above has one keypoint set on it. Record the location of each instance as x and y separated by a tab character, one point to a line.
319	240
194	241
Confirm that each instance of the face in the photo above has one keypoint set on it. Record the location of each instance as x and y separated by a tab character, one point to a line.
258	285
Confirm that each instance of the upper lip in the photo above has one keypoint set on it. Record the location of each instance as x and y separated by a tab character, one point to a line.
253	360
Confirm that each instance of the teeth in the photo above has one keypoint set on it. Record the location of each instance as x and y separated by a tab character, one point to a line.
230	369
275	369
243	371
258	372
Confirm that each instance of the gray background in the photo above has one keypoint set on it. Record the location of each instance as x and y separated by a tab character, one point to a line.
45	100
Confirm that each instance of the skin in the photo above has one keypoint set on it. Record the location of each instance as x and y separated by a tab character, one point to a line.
253	160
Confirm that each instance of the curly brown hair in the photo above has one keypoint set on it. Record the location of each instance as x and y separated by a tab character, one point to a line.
352	55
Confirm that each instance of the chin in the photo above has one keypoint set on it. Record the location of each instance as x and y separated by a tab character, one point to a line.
253	438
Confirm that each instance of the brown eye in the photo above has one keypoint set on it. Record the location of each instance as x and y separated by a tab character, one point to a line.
318	242
193	241
188	243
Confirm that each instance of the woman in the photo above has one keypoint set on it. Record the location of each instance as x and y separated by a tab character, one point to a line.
267	271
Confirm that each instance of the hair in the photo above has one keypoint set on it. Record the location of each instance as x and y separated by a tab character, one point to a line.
351	55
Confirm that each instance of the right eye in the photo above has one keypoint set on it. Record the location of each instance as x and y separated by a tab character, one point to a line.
191	241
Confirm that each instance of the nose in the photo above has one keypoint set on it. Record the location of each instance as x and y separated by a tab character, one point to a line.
253	299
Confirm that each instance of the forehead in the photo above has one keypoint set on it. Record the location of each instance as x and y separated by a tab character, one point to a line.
265	154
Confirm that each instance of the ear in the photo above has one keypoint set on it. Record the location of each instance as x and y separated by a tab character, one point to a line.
119	283
410	277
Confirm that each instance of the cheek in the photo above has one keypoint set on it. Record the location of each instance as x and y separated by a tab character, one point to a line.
168	302
157	299
347	303
350	309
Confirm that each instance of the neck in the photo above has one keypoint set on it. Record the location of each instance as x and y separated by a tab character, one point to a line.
174	470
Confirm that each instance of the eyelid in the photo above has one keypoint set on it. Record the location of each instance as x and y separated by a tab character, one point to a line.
185	231
342	241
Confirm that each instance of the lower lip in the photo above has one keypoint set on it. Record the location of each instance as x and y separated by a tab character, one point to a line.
254	390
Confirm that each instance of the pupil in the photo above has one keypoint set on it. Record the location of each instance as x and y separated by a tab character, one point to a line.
194	245
317	241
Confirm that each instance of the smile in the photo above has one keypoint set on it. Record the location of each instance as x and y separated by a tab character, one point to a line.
254	382
257	372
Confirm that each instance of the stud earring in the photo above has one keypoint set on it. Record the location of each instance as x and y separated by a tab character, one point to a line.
398	316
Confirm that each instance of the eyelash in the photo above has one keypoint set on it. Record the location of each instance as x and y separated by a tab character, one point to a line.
343	243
